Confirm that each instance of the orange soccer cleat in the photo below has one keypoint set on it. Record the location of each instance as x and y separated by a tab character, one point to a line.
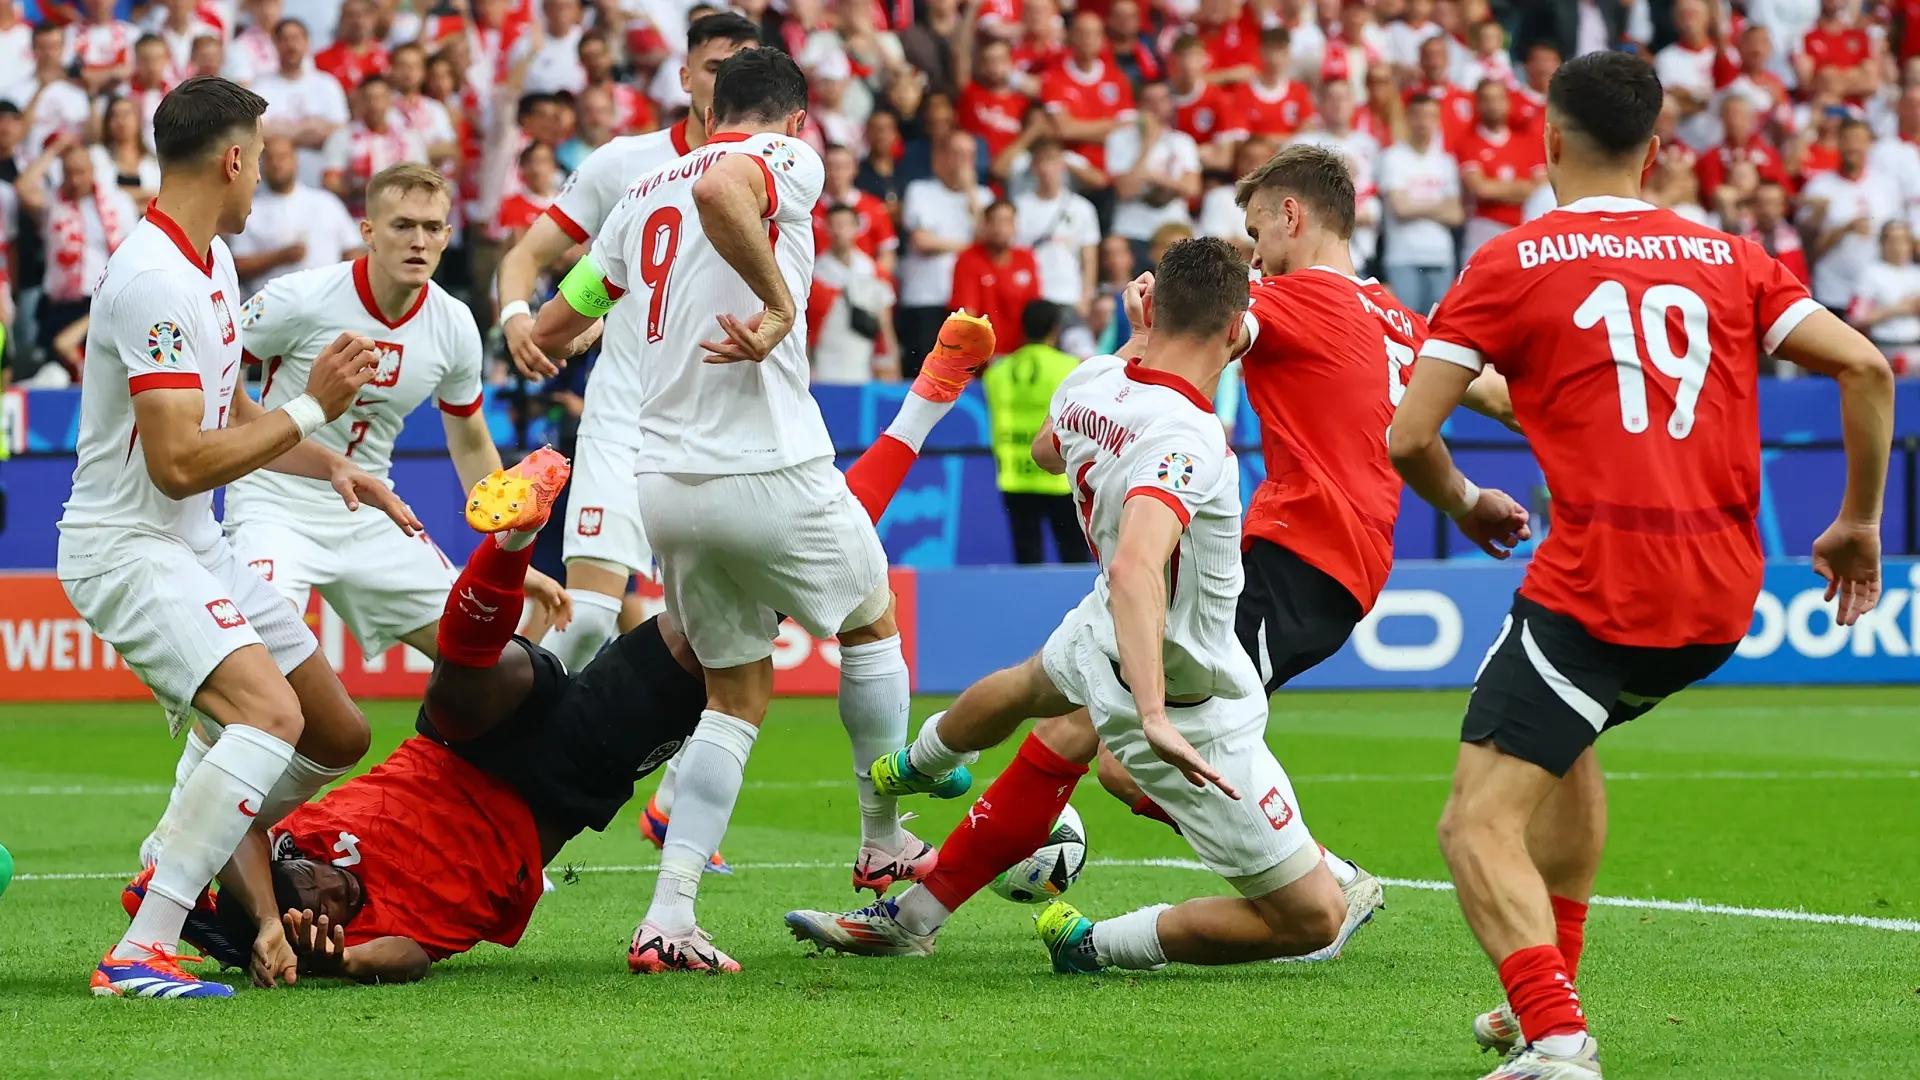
520	497
964	347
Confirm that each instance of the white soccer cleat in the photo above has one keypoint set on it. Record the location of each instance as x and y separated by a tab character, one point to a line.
1364	897
655	951
1533	1064
1497	1030
873	930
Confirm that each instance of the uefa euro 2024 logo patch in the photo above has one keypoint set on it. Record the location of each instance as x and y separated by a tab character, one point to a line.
779	155
251	310
164	342
1176	470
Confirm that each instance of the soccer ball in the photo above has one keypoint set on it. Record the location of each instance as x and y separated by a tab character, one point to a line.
1049	871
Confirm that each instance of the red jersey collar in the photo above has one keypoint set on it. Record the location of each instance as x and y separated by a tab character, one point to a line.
204	262
678	133
728	136
1156	377
363	285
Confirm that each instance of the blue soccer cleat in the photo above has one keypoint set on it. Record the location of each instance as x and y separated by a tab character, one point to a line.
158	975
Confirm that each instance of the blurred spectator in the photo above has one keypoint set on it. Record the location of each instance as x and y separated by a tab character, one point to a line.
850	310
877	170
1222	217
101	46
927	44
153	76
1741	141
1205	110
302	104
1412	30
292	226
874	235
1498	170
555	65
1132	50
1489	59
1117	269
1229	32
1336	131
1839	42
1674	184
16	57
1457	105
936	123
1573	27
1420	183
1686	71
989	106
1155	169
633	113
122	154
592	129
1752	76
55	103
938	217
208	57
1165	237
178	25
1272	102
1042	42
1771	228
369	144
996	279
1061	228
830	112
1843	212
81	219
1019	389
1528	112
355	52
425	118
1088	98
539	183
1382	115
254	53
1887	306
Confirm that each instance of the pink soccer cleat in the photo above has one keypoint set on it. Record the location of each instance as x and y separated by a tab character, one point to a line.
879	869
654	952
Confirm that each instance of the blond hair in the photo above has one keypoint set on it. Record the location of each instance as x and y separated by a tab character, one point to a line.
405	177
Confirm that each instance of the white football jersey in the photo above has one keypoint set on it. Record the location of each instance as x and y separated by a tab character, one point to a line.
694	417
163	318
432	350
1128	431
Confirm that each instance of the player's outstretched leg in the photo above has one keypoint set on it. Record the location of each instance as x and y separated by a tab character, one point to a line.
966	344
985	715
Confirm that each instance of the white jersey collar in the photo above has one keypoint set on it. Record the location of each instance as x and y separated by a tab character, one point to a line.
1606	204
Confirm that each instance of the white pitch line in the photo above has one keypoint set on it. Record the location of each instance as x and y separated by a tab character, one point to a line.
1693	907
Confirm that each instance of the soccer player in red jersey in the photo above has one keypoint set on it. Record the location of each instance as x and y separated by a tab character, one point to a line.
1630	338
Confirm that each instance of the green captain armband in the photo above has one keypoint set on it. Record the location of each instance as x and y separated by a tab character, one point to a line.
586	290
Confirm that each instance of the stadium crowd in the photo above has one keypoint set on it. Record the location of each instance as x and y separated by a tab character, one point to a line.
979	153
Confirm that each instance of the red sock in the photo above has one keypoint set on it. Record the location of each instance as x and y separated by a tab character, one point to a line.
483	610
1009	820
1541	993
1147	808
877	475
1570	923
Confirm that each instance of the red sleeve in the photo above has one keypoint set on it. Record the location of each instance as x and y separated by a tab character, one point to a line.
1050	92
1780	301
967	292
567	225
1711	174
883	237
1469	326
1277	320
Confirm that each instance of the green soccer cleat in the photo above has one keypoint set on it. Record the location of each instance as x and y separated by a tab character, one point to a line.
1067	935
895	775
6	870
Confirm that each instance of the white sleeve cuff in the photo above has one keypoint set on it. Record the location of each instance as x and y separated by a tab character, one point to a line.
1253	333
1785	324
1453	354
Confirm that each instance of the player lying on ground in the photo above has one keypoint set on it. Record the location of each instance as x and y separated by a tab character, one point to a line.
1647	580
142	556
440	847
1323	372
387	586
1151	656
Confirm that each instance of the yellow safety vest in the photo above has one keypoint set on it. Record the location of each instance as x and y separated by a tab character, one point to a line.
1019	388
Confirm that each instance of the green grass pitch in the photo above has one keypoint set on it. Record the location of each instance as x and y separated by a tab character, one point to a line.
1757	801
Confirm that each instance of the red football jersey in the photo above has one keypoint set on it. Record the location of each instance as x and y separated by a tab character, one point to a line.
1630	338
1209	113
1841	47
1503	156
447	854
1000	291
349	66
1104	94
876	225
1459	109
1331	361
1278	111
1712	168
998	116
1234	43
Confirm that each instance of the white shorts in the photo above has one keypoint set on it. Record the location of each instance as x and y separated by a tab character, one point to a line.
734	550
173	616
1258	843
383	583
603	512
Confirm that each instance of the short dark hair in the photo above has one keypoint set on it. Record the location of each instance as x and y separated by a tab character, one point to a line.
374	78
1046	144
728	26
527	152
1184	42
1039	319
1199	288
290	21
1315	175
1611	99
150	39
999	204
1852	122
842	208
530	102
758	84
1276	37
201	115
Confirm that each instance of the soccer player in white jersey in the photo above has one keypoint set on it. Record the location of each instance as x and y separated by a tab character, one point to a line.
736	482
386	585
1152	656
141	555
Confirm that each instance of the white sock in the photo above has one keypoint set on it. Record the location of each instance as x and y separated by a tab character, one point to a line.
919	912
596	618
516	539
916	418
715	766
190	757
212	818
1561	1045
669	773
875	696
302	781
933	756
1343	871
1131	941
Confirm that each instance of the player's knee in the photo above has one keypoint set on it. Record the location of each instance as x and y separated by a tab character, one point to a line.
1304	916
874	621
274	710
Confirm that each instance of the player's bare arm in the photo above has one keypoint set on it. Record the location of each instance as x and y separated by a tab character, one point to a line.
574	311
543	244
1046	450
249	876
1490	518
1137	596
1488	396
315	462
323	950
1847	554
733	200
185	460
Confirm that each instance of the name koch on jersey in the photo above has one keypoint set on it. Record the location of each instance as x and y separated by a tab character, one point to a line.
1125	432
695	417
433	350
